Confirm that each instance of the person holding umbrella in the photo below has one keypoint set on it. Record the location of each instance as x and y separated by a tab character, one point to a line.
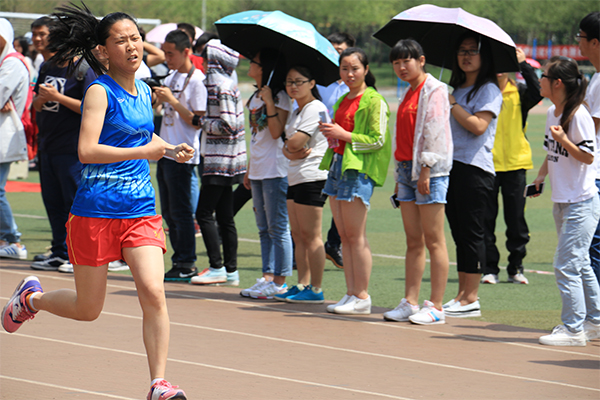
423	155
474	107
267	172
357	159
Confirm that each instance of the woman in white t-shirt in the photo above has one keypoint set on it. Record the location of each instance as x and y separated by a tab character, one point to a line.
305	147
570	144
267	172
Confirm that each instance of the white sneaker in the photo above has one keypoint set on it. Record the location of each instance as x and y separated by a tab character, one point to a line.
116	266
13	250
268	291
491	279
561	336
449	304
343	301
468	310
591	330
355	306
257	286
402	312
518	278
66	268
428	315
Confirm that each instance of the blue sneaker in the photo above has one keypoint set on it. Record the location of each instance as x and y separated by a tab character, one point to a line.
308	296
210	276
233	278
291	291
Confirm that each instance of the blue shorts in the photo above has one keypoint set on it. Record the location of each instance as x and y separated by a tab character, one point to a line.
407	188
349	186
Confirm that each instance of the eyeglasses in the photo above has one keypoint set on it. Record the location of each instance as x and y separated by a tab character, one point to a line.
579	36
548	77
297	83
257	63
465	52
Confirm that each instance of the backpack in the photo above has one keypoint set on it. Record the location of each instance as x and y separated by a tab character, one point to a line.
27	118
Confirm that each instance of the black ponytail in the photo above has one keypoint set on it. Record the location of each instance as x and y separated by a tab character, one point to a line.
575	83
76	32
364	60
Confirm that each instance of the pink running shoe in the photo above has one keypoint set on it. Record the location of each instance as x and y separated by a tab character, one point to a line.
16	311
163	390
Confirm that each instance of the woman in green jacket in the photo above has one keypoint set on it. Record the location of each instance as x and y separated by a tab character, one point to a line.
357	159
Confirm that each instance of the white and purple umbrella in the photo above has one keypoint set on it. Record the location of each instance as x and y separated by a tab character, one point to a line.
437	29
158	33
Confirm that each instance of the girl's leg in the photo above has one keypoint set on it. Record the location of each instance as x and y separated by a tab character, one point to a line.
275	198
310	220
224	212
302	263
432	219
85	302
336	210
266	245
354	217
575	224
207	202
147	268
415	250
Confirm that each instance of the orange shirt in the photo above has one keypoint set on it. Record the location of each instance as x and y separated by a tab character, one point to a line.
344	117
406	120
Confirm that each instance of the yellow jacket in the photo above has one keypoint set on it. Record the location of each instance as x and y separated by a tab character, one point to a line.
511	148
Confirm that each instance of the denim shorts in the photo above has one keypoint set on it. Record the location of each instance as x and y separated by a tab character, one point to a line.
407	188
348	186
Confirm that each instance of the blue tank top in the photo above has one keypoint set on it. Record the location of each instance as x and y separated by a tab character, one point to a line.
120	190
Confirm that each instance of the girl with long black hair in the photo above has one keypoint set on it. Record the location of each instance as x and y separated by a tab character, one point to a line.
114	212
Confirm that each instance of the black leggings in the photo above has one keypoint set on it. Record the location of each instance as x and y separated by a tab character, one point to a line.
219	200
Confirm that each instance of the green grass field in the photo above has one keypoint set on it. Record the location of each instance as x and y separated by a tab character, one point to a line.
536	305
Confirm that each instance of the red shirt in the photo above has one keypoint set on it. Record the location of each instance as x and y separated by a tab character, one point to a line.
406	120
344	117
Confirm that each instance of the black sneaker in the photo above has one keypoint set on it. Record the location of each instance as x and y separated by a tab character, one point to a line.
177	274
334	254
42	257
50	264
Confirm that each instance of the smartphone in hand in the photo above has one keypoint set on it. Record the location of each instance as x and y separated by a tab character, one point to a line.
531	190
323	116
394	201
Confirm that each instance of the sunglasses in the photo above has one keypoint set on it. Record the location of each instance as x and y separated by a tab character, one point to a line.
548	77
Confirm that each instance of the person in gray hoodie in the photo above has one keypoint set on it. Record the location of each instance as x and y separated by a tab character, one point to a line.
223	148
14	84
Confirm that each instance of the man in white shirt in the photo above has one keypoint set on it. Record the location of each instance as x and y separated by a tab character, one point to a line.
184	97
589	45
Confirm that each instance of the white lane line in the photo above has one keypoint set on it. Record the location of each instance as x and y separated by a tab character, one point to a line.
240	239
389	325
363	353
216	367
71	389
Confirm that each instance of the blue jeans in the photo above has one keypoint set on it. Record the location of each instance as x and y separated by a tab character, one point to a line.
60	175
595	247
175	190
8	226
270	208
579	290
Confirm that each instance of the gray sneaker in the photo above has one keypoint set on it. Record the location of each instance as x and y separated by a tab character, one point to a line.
591	330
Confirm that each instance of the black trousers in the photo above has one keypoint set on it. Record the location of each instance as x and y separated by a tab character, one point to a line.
469	195
218	200
512	185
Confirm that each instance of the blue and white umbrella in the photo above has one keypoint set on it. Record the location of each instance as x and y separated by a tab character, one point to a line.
250	31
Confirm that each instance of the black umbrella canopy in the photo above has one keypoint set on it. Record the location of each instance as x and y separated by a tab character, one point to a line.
437	30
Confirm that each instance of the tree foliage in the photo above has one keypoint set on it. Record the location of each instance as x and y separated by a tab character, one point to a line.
523	20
